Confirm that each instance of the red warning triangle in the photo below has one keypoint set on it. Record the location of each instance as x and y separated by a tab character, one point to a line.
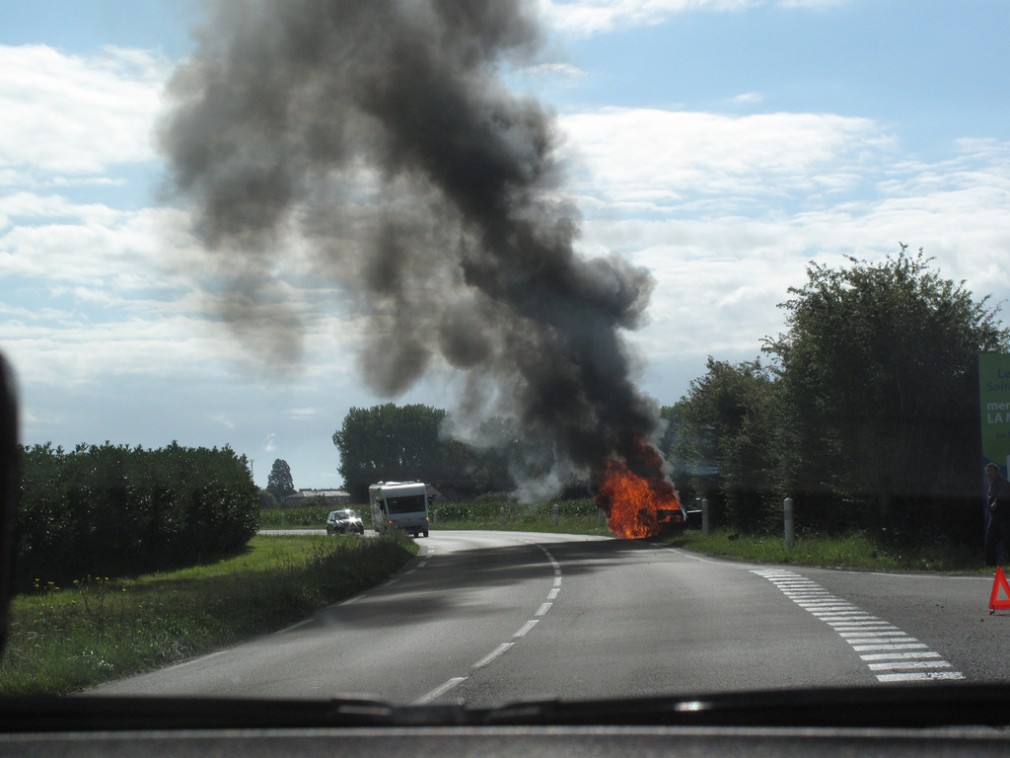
995	603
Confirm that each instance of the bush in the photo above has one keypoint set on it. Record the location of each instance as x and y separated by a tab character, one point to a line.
113	510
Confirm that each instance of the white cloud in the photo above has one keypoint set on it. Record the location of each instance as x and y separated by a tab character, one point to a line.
224	421
747	98
593	16
68	114
727	212
650	157
587	17
813	4
567	70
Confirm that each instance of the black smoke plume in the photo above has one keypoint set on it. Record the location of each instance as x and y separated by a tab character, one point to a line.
379	135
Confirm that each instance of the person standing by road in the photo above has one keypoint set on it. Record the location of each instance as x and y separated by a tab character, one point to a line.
998	499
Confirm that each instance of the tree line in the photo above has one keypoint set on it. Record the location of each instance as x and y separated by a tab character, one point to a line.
864	411
113	510
396	443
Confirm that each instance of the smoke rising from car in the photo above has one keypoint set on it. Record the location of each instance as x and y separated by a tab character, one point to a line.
380	137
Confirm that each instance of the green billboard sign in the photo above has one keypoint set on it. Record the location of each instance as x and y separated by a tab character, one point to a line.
994	400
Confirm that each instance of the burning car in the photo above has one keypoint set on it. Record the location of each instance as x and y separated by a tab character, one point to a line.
671	520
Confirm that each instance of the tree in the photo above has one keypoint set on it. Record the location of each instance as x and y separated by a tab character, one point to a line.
879	380
718	439
389	443
279	482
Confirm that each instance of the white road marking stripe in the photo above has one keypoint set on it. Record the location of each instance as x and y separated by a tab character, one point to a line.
872	637
808	591
544	607
557	581
817	601
898	665
492	655
843	615
898	656
440	690
886	647
525	628
826	605
553	594
901	646
860	625
920	677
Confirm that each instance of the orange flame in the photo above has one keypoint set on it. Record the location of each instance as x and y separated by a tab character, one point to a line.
638	507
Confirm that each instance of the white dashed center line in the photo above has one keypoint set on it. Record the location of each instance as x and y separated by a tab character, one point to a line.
504	647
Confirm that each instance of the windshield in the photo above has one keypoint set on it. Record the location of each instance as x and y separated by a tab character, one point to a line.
688	318
405	504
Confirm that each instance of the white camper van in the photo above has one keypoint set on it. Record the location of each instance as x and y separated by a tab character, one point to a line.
399	505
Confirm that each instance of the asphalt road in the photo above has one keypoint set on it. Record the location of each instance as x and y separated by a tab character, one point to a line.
492	617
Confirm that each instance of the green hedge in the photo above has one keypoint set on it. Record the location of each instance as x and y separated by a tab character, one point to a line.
116	511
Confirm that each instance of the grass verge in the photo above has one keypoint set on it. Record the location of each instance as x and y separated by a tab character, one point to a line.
503	513
306	517
855	551
62	640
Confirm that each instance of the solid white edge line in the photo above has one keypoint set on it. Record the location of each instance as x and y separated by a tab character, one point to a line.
294	626
440	690
201	659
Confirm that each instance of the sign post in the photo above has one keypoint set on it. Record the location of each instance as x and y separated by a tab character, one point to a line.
994	408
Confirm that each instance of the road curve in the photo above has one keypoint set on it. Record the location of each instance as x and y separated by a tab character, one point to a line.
492	617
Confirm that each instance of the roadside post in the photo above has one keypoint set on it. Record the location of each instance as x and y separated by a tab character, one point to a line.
704	517
787	517
556	513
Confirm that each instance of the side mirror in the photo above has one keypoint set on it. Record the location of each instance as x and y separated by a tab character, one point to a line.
9	486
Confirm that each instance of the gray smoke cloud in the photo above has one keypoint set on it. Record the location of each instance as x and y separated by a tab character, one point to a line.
380	135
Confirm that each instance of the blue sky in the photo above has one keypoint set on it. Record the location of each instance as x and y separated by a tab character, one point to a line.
723	144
